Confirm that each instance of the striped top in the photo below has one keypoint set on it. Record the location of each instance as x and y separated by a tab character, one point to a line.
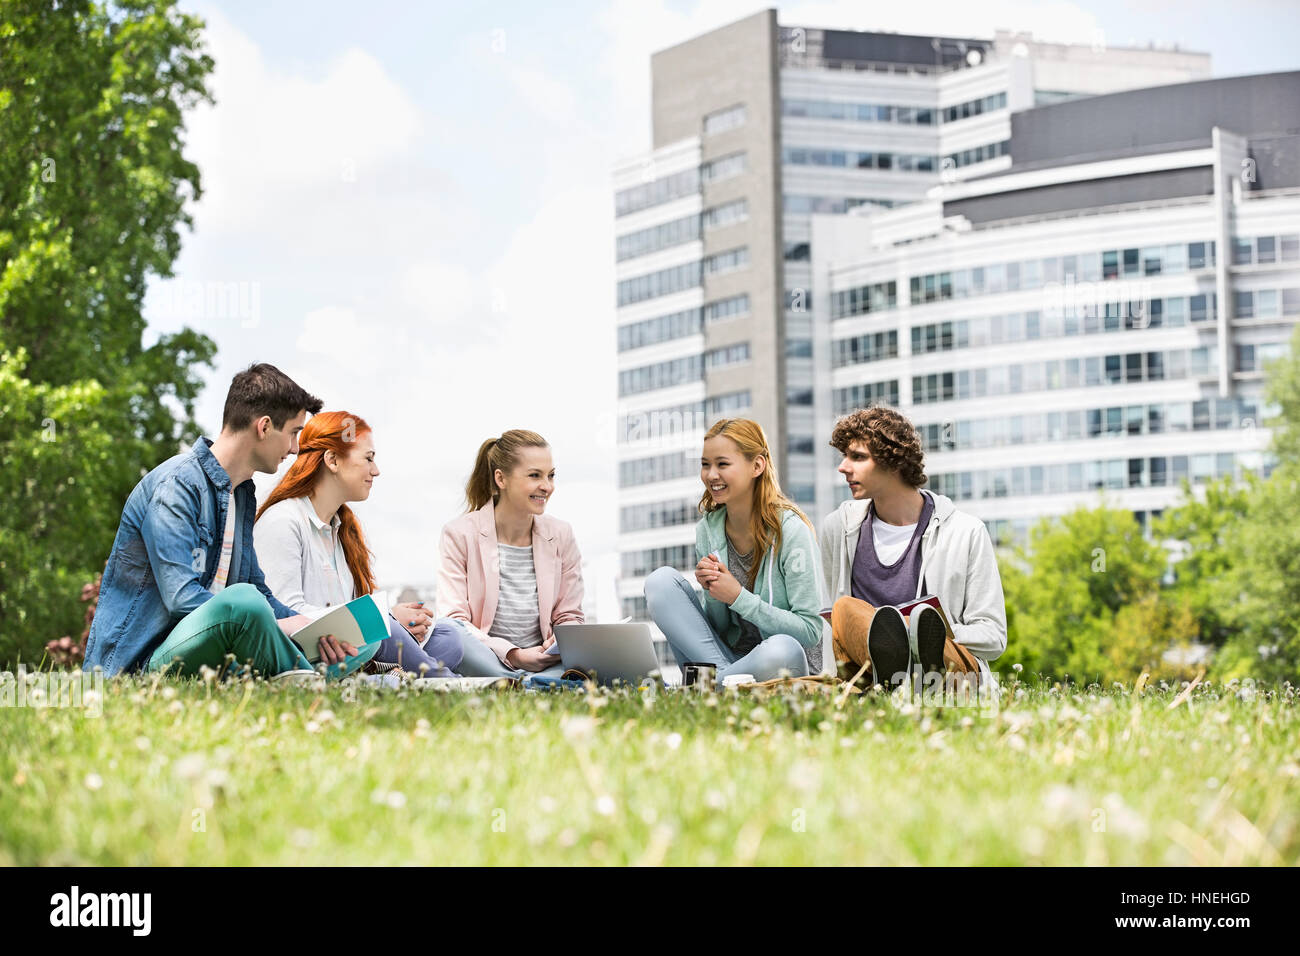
517	617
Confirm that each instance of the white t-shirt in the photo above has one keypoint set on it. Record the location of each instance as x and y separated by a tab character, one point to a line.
891	540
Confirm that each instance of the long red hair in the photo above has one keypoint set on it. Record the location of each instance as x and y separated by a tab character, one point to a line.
328	431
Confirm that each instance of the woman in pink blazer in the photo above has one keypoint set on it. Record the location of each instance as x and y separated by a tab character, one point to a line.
509	572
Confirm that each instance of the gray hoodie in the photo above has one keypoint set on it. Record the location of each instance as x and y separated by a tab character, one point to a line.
957	564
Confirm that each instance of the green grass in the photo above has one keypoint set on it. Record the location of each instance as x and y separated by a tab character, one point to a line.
246	773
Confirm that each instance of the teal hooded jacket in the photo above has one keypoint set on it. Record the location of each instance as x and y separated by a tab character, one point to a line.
787	590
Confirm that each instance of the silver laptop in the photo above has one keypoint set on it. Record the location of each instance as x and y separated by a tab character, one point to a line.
608	652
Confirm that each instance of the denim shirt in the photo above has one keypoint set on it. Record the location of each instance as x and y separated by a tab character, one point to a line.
165	555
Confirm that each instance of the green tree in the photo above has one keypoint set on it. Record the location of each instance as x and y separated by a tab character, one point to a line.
93	193
1208	527
1065	591
1260	591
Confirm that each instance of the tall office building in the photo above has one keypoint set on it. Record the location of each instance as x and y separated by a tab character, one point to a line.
756	128
1096	317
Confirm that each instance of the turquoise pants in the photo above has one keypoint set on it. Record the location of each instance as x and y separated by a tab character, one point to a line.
238	621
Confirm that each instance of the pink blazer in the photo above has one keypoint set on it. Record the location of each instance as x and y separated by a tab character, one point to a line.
469	575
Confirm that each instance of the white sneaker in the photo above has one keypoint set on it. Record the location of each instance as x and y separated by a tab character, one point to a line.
300	676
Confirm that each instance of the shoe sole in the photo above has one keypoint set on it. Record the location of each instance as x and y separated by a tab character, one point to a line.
930	639
887	646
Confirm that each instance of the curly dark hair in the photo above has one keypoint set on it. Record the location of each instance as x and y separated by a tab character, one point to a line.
890	438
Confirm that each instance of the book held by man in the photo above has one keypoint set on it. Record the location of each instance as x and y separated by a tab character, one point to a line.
361	621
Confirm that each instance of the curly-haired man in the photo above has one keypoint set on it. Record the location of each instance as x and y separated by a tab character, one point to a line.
917	544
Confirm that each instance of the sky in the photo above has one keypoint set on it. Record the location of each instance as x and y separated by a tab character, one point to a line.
410	212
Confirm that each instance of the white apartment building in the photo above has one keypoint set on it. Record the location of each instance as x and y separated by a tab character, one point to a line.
759	128
1069	327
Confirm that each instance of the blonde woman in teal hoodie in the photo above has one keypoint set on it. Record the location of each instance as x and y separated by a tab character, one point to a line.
757	562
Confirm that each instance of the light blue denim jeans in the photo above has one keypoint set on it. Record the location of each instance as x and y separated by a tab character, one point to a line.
479	660
438	658
676	611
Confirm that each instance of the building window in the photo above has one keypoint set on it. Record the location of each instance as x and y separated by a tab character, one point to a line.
853	159
728	261
663	328
860	396
729	308
644	471
725	119
872	347
663	236
726	214
637	564
666	189
650	378
662	514
862	300
726	356
655	284
724	167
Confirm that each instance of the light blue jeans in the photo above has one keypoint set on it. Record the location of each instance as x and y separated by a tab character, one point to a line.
677	612
479	660
439	656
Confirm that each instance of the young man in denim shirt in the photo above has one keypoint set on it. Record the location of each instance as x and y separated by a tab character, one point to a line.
182	588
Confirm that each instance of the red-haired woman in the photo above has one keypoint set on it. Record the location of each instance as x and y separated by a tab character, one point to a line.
313	553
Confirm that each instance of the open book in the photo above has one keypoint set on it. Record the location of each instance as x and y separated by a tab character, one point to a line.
361	622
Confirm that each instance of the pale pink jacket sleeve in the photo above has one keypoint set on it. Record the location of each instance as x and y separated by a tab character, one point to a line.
453	590
568	604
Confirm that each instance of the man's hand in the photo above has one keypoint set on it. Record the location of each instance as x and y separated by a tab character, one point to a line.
334	651
414	618
530	658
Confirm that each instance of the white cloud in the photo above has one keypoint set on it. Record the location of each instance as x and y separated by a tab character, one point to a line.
276	141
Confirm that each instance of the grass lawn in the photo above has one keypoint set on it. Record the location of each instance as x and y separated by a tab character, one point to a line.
247	773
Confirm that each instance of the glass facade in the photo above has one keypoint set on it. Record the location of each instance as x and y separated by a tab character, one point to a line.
637	564
666	467
857	159
871	347
728	261
1062	478
656	193
660	514
648	378
1084	372
664	282
1027	274
847	399
663	236
662	328
829	204
1112	421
